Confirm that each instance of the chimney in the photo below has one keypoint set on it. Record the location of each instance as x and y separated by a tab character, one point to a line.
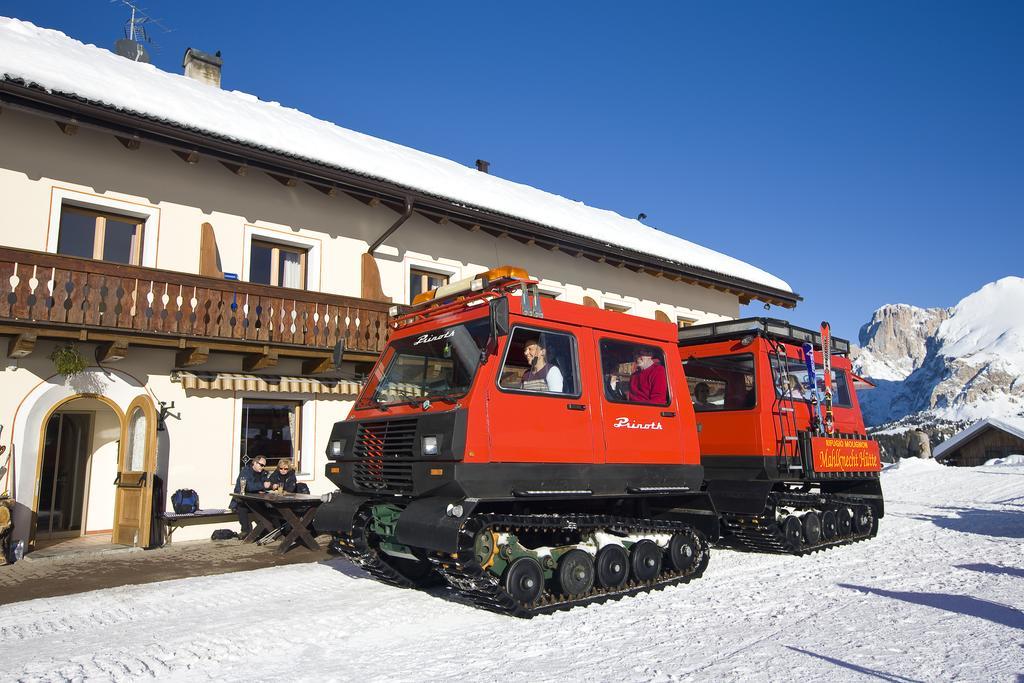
203	67
482	165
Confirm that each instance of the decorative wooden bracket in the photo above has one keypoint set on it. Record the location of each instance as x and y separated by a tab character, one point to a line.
132	143
21	346
369	201
193	355
287	181
69	127
258	361
328	190
440	220
190	157
108	352
237	169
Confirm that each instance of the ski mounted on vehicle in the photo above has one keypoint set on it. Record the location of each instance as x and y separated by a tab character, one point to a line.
537	455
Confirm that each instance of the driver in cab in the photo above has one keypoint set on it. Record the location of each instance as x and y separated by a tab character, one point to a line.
541	375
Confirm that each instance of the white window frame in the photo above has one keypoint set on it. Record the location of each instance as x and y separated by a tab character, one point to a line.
149	215
307	431
620	305
552	290
310	245
411	264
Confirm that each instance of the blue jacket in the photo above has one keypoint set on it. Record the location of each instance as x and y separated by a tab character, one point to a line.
249	481
288	480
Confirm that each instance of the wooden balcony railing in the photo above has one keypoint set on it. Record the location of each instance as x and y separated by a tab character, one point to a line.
61	291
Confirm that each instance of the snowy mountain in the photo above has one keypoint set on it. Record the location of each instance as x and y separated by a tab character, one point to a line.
939	369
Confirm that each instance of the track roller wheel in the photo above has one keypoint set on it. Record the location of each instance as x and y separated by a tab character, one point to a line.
611	566
793	531
811	522
524	580
844	521
575	574
828	525
861	519
645	560
682	551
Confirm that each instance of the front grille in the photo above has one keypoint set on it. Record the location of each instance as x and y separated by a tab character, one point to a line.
384	450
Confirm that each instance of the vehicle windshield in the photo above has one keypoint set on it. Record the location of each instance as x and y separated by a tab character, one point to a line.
436	364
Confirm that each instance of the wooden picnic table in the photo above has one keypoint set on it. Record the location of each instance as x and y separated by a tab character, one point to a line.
271	510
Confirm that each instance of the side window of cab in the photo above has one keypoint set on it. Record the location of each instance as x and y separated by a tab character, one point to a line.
634	373
721	382
540	361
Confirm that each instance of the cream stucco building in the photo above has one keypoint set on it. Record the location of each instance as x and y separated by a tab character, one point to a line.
207	278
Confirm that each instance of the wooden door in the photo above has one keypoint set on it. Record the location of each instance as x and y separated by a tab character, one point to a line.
136	465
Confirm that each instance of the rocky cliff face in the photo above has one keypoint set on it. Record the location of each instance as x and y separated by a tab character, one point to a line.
938	369
895	342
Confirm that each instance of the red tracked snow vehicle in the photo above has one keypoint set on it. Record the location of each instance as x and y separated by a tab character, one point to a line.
538	454
783	477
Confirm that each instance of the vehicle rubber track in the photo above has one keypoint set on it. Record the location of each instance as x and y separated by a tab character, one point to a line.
764	534
465	574
357	549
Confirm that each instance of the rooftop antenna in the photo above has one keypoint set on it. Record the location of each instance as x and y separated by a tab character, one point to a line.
136	33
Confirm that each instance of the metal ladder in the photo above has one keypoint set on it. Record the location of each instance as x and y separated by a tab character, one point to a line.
788	456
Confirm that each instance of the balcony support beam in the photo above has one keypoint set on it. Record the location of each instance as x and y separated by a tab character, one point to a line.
258	361
22	345
315	366
110	351
192	355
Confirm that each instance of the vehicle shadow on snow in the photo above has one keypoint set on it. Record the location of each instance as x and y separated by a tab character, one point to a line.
992	569
960	604
442	590
996	523
854	667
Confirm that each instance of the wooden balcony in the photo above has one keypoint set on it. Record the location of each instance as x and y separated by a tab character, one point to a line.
50	295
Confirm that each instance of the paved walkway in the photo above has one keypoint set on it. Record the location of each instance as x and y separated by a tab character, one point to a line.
108	568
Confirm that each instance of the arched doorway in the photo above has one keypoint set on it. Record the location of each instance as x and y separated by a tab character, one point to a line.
77	463
84	418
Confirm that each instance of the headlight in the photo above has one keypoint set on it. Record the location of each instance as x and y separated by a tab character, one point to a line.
429	445
337	448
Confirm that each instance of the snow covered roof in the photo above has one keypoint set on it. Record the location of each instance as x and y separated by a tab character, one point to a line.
60	65
1012	425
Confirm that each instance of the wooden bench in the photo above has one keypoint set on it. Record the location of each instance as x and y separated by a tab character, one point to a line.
173	521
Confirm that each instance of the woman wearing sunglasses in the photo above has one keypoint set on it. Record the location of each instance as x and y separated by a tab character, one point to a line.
283	478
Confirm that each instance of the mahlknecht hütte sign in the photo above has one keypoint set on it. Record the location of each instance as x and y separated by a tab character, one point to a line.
845	455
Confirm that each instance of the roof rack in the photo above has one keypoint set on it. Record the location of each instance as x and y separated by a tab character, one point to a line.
771	328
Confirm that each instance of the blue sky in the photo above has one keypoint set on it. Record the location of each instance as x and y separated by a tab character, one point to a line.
866	152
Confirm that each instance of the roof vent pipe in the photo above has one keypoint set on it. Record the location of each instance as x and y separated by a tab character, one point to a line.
482	166
203	67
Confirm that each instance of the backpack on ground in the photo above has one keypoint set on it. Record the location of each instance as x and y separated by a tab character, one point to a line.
185	501
223	535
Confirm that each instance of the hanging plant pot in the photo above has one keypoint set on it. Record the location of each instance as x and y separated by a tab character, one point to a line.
67	360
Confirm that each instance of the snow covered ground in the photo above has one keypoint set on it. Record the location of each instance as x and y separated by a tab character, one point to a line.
937	596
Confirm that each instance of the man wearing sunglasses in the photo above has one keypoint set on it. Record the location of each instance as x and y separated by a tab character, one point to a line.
252	479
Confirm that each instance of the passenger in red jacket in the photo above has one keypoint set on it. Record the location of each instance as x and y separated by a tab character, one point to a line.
648	383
